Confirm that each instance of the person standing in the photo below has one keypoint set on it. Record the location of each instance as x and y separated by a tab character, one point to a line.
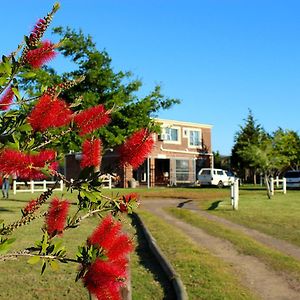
5	185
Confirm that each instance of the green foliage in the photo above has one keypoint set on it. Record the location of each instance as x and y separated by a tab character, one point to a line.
116	90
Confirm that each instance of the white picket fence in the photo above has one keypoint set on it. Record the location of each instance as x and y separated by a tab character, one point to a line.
35	186
278	183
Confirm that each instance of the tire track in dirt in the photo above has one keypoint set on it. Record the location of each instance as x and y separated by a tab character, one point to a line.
255	275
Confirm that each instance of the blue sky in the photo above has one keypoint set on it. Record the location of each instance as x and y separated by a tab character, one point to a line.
220	57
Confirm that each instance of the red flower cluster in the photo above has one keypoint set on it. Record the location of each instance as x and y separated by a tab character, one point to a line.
39	56
91	119
104	278
57	216
126	200
25	165
6	99
136	148
91	153
31	207
49	112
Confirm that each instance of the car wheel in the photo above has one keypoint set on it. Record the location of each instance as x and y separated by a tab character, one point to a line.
220	184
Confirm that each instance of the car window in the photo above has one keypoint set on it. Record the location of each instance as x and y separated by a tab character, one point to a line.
292	174
220	172
205	172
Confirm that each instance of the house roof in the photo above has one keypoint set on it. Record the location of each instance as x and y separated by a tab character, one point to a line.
183	123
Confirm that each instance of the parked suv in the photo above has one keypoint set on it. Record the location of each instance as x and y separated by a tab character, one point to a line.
292	178
218	177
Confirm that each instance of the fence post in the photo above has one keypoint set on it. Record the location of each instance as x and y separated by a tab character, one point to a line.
44	185
32	186
236	194
272	186
61	185
277	181
232	194
284	185
14	187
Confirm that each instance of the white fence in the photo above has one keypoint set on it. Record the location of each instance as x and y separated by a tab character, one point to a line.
35	186
279	183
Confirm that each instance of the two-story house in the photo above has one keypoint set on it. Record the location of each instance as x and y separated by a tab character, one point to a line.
180	151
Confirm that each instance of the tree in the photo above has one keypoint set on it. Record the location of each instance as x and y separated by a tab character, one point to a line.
33	129
249	134
287	145
116	90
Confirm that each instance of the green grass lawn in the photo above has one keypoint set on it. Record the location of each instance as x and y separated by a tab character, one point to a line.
19	280
279	216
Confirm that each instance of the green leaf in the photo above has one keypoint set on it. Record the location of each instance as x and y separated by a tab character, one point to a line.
43	268
28	75
54	265
16	92
45	243
25	127
33	260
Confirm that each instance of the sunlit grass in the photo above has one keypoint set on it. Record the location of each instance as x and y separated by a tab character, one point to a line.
276	260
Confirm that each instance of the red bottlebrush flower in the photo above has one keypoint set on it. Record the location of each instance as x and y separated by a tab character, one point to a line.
7	99
57	216
38	31
49	112
107	235
31	207
104	279
39	56
91	119
25	165
91	153
136	148
126	200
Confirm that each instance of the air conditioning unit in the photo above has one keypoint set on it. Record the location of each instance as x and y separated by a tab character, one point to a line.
162	137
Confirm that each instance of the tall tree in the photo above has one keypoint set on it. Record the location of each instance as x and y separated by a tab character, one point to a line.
249	134
101	85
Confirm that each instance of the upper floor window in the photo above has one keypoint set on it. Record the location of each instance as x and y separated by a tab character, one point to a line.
171	134
195	138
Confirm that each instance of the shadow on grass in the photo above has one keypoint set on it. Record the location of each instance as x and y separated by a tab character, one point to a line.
148	260
214	205
4	209
181	204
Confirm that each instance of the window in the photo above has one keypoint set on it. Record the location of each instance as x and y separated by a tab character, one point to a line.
171	134
195	138
182	170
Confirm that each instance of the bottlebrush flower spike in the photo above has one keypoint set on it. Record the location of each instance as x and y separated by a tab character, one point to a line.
136	148
40	27
49	112
25	165
39	56
31	207
57	216
91	153
7	99
91	119
107	235
126	200
104	279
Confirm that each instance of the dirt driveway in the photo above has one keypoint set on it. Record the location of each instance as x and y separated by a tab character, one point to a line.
254	274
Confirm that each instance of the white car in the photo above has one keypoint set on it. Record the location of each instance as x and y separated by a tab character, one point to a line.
218	177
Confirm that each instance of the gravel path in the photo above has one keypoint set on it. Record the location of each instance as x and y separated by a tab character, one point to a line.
266	283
